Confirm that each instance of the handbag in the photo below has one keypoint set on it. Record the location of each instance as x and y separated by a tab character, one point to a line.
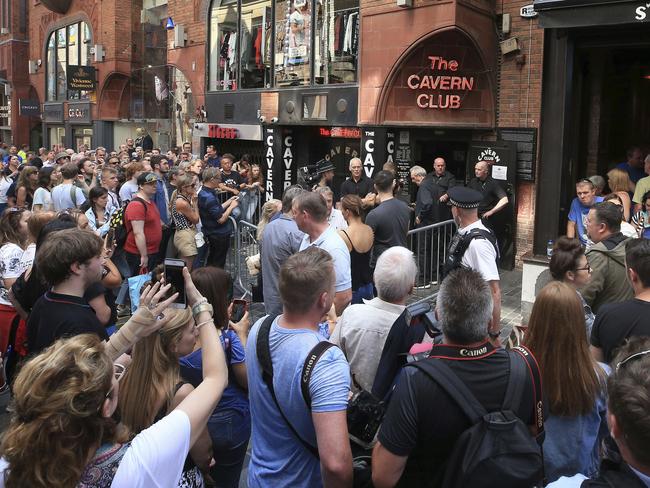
135	287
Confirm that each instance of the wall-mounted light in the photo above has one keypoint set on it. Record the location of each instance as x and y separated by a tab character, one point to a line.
98	51
32	66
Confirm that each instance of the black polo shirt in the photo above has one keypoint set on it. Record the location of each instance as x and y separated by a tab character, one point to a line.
423	422
361	188
491	190
55	315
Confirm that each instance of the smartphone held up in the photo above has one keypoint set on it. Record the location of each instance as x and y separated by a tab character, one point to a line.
174	276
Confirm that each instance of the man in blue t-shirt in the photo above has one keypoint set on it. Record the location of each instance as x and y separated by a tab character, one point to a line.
279	457
634	164
580	206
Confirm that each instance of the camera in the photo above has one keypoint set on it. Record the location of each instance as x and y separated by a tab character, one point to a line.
274	120
262	119
308	176
421	313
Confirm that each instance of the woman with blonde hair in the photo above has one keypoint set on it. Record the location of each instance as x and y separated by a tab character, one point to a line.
269	209
183	205
619	182
573	381
62	433
152	386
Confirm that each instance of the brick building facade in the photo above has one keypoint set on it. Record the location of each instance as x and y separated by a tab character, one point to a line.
373	114
14	80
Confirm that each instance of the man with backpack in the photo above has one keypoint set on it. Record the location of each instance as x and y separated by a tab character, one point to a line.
67	194
439	428
475	247
298	384
143	226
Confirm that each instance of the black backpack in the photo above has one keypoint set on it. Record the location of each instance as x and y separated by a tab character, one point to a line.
117	222
459	245
498	449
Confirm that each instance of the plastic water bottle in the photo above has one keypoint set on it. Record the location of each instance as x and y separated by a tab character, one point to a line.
549	248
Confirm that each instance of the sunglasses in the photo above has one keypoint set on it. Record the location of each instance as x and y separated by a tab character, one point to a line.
118	373
637	355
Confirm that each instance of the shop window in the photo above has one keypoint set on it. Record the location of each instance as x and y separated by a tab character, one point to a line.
292	42
223	45
253	42
336	42
256	31
67	46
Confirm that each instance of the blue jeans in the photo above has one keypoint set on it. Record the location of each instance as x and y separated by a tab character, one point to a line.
229	430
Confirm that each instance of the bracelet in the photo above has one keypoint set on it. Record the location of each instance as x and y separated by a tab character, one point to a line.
198	326
196	305
202	307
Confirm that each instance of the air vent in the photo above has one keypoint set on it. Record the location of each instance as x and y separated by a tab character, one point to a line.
228	111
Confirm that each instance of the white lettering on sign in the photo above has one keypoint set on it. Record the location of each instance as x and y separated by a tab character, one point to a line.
270	159
642	12
489	155
369	160
288	161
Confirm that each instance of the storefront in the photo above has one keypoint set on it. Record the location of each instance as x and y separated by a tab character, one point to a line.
288	68
595	98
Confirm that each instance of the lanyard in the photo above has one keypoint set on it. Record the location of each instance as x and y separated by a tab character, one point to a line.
462	353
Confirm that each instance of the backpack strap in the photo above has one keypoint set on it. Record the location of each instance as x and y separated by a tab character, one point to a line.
308	368
263	350
73	194
443	376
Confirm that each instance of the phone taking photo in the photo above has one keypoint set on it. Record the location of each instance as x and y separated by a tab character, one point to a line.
174	276
239	308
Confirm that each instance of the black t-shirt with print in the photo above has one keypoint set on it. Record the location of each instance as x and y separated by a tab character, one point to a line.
231	180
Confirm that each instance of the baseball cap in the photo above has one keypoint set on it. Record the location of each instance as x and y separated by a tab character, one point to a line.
147	178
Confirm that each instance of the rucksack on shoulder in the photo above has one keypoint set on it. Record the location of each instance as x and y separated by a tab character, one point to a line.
117	222
498	448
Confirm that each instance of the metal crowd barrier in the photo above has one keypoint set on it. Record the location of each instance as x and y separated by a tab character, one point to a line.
429	245
247	247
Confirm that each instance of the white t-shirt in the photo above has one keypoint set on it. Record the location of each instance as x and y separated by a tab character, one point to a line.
11	266
43	197
61	197
337	220
127	191
480	255
5	183
155	458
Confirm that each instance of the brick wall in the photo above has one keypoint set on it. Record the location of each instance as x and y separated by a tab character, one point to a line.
520	95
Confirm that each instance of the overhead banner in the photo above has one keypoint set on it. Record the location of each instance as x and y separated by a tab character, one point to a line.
81	78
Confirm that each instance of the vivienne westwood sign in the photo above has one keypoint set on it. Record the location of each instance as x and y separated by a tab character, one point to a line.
81	78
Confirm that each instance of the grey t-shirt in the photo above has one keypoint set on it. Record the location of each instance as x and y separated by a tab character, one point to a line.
390	223
281	239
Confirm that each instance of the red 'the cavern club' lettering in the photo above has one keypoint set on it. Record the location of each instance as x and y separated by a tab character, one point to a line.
440	82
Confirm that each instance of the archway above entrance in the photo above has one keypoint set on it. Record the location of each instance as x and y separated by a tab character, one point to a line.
442	81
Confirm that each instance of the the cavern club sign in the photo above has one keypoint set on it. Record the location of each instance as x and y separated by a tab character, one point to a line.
444	87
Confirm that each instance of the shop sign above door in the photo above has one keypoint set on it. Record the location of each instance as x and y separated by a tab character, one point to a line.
81	78
445	85
442	82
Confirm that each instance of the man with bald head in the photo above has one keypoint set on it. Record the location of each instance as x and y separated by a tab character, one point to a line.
494	196
359	184
445	180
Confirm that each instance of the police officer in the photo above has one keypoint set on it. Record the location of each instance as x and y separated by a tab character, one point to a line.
474	246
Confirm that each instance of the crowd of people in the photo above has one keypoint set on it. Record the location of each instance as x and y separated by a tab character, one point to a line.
346	380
